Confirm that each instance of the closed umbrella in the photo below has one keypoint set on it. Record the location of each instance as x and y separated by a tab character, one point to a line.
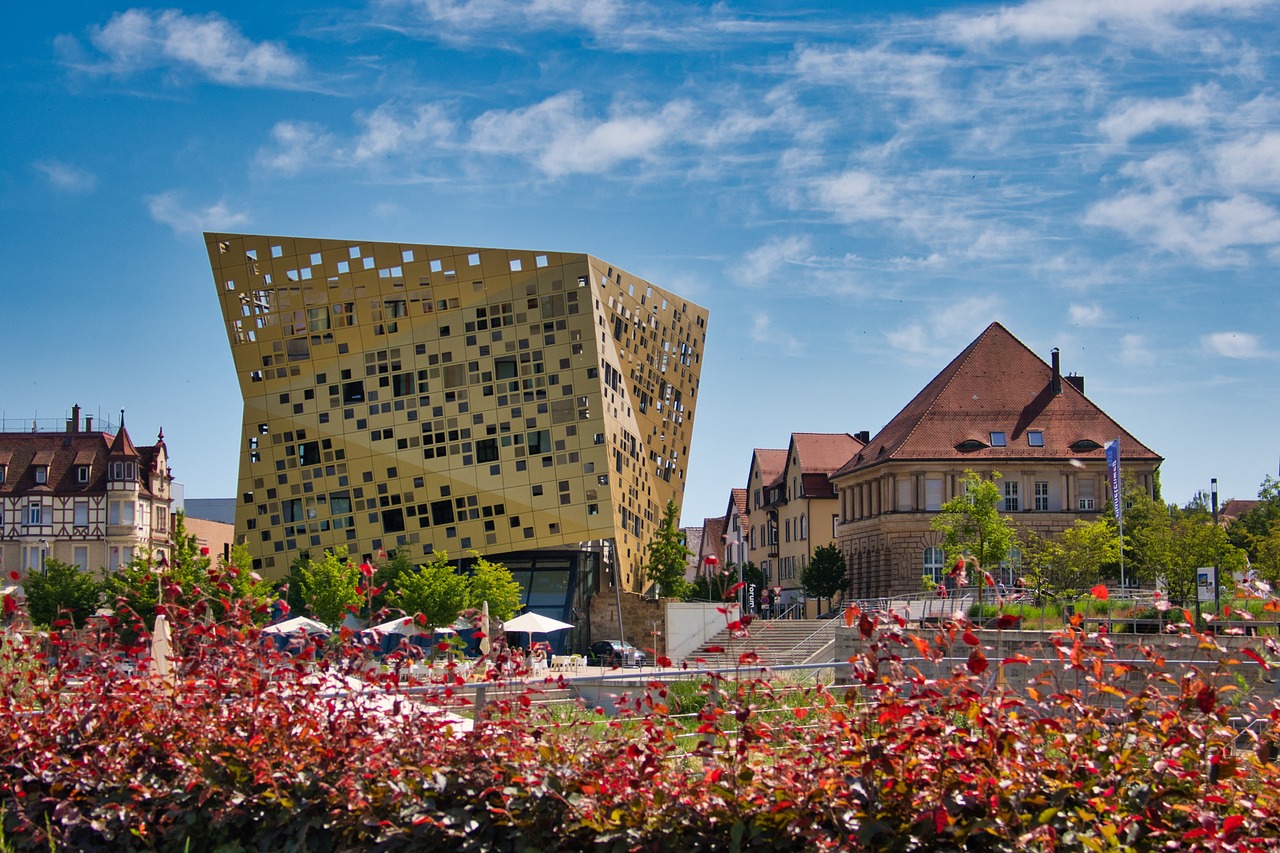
161	649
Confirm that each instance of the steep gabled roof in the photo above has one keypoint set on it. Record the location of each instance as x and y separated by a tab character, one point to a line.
738	504
771	462
997	384
713	538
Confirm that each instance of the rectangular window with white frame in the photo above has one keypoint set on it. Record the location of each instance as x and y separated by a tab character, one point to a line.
35	514
1086	493
1011	496
80	514
1042	496
81	557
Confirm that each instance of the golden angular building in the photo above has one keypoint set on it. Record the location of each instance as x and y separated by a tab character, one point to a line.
536	407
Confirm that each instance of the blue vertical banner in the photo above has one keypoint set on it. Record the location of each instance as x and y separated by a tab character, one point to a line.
1113	472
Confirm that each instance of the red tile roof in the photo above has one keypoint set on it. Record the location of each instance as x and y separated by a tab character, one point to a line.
738	503
713	538
997	384
824	452
771	462
63	452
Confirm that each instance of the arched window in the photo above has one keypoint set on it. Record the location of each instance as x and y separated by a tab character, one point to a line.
804	526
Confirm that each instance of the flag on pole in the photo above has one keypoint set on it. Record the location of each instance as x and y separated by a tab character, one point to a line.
1113	472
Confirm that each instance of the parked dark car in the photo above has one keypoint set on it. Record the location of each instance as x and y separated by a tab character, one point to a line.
615	653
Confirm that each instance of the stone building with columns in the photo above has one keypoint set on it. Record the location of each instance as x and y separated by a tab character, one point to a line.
997	407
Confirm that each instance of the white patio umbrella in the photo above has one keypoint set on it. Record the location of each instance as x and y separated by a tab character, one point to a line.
161	648
404	625
297	623
535	623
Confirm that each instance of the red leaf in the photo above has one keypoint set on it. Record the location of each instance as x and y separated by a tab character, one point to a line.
1232	823
366	570
1255	657
711	650
9	605
801	713
850	613
977	662
420	619
1007	620
1101	592
939	820
735	625
664	661
1206	699
866	627
970	638
734	589
13	575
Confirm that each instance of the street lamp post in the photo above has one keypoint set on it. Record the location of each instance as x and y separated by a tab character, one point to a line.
1213	495
710	562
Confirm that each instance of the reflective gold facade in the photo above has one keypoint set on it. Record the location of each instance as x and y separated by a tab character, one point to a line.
417	397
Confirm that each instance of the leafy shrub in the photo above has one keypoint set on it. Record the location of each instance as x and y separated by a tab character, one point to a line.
243	749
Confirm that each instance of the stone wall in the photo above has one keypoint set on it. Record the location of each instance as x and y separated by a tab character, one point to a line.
641	618
1125	649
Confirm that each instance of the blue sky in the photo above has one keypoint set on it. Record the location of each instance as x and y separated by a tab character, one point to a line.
854	191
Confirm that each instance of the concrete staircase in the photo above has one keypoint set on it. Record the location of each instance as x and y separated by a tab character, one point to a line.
775	642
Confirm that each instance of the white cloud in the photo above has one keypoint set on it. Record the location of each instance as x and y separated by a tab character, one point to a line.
880	70
167	209
388	132
66	178
556	136
1134	351
1251	162
1211	231
1041	21
944	326
208	45
298	145
472	15
762	264
854	196
1234	345
763	332
1085	315
1134	118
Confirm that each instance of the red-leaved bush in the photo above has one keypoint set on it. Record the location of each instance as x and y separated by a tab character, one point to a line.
938	742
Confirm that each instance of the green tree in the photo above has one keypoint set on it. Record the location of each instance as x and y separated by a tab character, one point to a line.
716	587
825	574
435	591
239	582
386	578
668	555
1168	545
492	582
61	591
1254	527
971	525
180	580
1074	559
1267	564
330	586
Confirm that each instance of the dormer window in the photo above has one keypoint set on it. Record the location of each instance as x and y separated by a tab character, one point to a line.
1085	444
969	445
42	474
2	472
1035	438
997	439
82	473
